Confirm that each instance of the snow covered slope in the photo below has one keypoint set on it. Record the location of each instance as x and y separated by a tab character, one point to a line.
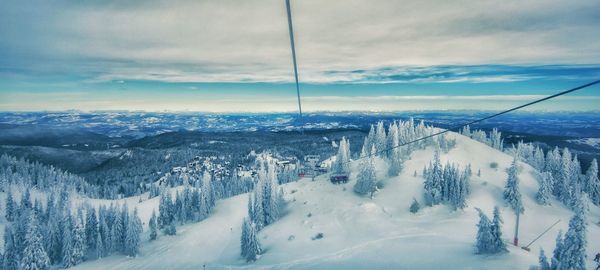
360	233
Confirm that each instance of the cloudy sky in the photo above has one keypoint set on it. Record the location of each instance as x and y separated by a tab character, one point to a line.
234	55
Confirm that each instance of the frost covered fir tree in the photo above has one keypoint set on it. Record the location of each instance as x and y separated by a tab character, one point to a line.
342	160
207	196
558	250
539	161
414	206
250	247
543	260
368	143
366	179
434	180
54	236
165	209
170	229
99	250
244	238
26	200
10	260
79	248
10	207
104	234
592	183
565	178
485	239
270	197
395	155
117	232
573	250
34	255
132	238
512	195
68	259
496	230
266	201
489	234
152	226
545	190
91	229
380	139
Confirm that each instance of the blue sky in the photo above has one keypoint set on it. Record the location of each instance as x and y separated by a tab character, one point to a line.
226	56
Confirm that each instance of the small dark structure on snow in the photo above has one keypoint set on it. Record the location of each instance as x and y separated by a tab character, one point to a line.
338	178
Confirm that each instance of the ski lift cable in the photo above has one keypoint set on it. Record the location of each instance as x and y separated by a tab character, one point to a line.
456	127
291	32
541	234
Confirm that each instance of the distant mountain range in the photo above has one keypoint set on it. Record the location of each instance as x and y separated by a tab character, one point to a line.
142	124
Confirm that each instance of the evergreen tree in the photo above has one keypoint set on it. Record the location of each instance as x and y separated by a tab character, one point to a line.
105	236
206	196
369	142
124	226
573	255
496	230
91	229
250	242
54	237
544	265
34	255
434	181
170	229
592	185
11	207
496	140
132	240
395	155
26	200
414	206
244	237
380	139
11	260
565	177
116	233
342	161
539	159
512	195
21	225
152	226
552	163
558	250
274	199
258	217
79	247
100	249
485	239
68	257
165	209
366	179
545	190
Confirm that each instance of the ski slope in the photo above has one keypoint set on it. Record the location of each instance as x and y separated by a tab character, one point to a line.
360	233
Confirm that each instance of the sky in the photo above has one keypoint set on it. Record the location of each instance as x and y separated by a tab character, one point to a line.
353	55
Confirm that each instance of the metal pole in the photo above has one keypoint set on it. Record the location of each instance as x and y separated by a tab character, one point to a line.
516	240
291	31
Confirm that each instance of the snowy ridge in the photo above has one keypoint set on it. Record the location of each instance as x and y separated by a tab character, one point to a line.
361	233
364	234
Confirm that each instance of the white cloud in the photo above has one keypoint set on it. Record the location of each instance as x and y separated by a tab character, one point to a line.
239	40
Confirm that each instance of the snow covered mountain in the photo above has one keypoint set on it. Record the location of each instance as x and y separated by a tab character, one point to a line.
328	226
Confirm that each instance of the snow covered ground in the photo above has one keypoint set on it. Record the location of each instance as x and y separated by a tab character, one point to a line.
360	233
